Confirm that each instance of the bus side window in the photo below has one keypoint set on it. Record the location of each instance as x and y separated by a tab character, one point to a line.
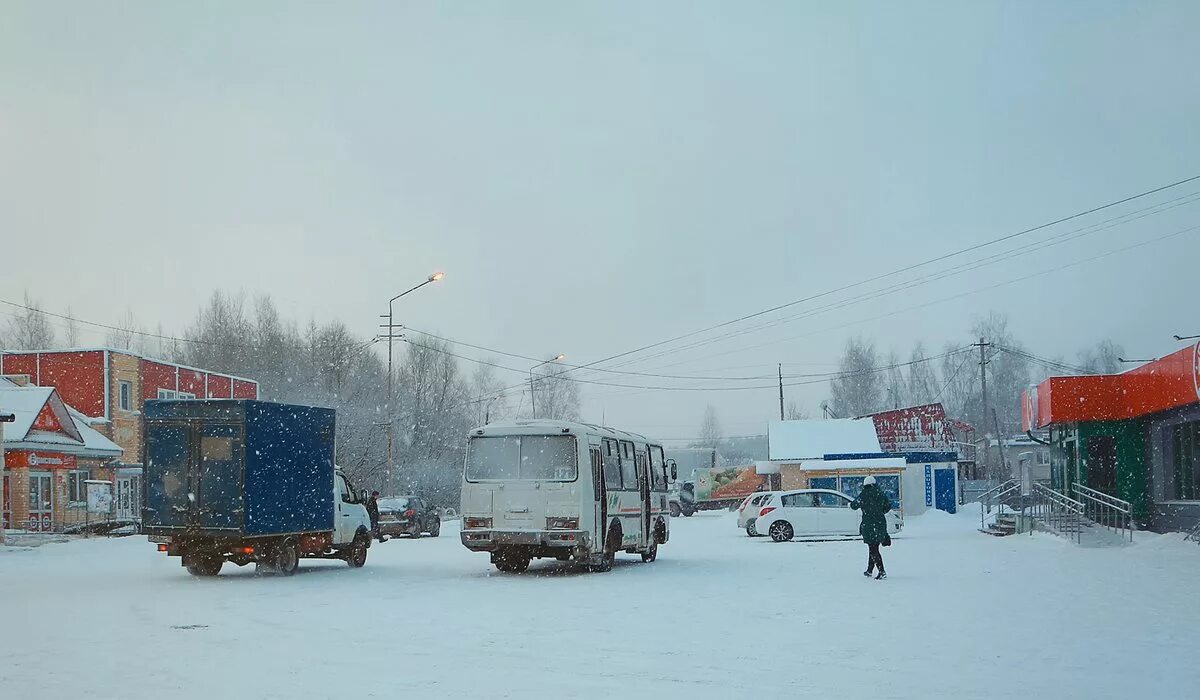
628	467
642	471
612	465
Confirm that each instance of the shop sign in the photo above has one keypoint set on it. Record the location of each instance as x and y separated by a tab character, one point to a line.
928	484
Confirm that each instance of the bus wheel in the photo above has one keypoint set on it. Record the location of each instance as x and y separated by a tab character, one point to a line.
652	553
611	545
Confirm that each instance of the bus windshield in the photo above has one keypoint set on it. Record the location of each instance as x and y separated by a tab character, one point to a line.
522	457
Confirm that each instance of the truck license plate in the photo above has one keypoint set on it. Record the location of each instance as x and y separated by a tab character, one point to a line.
158	539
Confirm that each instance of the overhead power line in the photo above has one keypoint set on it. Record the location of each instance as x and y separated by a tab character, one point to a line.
899	271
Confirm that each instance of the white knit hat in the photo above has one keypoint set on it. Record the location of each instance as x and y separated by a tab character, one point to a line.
869	481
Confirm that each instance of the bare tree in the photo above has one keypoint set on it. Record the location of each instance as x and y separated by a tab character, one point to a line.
1008	375
710	429
923	385
857	388
794	412
28	328
894	385
557	394
1104	358
128	335
488	403
71	330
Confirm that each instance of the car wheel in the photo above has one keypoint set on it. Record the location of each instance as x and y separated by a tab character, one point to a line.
436	529
675	511
781	531
750	531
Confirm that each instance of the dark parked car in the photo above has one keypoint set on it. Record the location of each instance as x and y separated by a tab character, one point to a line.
408	515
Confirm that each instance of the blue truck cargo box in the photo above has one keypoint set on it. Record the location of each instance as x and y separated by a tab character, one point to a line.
237	468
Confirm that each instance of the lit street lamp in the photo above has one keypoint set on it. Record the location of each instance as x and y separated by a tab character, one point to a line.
391	334
533	394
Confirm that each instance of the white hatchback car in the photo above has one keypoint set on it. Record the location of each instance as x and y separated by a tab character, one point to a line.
813	513
748	511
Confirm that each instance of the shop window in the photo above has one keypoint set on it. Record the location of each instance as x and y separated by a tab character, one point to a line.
125	395
77	486
1185	438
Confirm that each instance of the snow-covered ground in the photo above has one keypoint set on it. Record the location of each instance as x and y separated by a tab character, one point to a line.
718	615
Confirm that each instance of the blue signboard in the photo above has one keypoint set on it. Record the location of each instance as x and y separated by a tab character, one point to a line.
928	485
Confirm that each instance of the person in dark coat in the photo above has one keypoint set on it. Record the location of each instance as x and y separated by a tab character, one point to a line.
373	513
874	504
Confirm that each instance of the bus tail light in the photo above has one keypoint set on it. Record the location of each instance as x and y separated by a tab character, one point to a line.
763	513
562	523
477	523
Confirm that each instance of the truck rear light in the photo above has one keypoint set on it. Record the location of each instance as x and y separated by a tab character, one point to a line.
243	550
562	523
477	523
763	513
163	547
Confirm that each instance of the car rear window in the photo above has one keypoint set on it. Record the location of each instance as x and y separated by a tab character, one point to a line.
393	503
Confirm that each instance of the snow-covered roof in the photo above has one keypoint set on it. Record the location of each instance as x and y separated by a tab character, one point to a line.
813	439
27	402
535	426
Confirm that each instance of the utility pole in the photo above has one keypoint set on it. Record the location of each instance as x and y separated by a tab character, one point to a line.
781	391
983	345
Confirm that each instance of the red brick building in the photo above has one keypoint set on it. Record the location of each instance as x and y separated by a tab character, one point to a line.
109	388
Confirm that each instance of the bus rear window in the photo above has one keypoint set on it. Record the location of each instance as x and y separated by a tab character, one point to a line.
528	457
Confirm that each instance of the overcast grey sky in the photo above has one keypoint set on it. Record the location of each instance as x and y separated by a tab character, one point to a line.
596	177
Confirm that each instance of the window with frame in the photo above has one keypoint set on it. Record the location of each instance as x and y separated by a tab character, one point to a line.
125	395
612	464
1185	439
628	466
658	469
77	486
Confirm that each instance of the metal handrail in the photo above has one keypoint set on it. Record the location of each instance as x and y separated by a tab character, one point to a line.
1006	485
1105	510
995	496
1061	513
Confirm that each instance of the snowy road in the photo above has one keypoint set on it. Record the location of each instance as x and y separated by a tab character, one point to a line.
718	615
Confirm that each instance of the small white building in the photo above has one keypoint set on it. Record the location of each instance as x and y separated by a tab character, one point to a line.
839	454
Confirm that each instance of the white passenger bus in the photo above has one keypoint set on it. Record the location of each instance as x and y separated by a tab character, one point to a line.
545	488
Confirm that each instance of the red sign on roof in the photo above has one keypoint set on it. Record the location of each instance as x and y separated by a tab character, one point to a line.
1166	383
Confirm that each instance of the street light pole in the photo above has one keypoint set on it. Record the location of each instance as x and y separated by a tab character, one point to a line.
391	334
532	393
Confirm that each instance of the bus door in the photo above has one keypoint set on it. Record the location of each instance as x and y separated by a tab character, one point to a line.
644	496
599	495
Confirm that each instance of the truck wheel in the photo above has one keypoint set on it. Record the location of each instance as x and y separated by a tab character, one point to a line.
287	557
206	565
512	561
357	558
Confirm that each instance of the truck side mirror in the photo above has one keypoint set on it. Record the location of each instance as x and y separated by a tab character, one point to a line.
674	470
